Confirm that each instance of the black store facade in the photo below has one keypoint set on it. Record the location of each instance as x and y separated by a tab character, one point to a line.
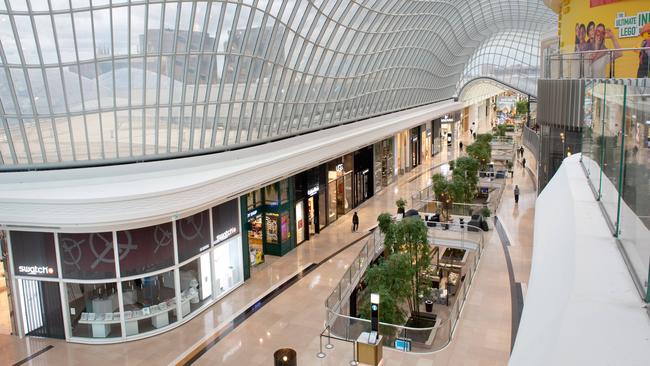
126	283
311	202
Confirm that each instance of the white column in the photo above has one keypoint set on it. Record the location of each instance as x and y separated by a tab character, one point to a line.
62	290
14	293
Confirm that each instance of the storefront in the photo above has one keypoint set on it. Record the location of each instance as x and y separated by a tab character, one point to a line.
415	141
311	202
339	187
425	139
450	128
383	163
436	140
363	175
269	215
115	286
402	154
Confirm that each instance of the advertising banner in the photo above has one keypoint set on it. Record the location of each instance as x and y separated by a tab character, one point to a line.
602	25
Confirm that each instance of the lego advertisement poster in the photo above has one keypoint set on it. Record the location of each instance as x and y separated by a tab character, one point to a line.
597	27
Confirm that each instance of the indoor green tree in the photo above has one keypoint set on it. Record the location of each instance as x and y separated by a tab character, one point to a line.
391	279
466	176
446	192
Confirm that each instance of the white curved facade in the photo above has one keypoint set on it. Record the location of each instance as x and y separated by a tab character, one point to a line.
102	81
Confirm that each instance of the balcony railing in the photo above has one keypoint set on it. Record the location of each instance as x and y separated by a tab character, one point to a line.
616	158
607	63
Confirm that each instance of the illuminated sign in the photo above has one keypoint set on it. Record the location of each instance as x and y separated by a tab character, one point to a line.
339	168
446	119
365	171
312	191
252	213
226	234
36	270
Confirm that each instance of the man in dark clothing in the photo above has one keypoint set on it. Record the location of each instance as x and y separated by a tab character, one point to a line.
355	222
516	193
523	162
461	146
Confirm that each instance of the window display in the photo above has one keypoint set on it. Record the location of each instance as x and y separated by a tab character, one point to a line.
271	228
94	310
227	266
193	235
150	302
196	275
145	249
255	238
300	222
285	221
87	256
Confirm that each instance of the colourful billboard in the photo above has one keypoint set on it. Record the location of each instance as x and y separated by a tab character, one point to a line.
600	26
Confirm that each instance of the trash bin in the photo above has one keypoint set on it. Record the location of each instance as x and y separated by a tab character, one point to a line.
428	305
285	357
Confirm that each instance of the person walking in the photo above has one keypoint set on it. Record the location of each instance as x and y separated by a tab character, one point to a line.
355	222
516	194
523	162
460	145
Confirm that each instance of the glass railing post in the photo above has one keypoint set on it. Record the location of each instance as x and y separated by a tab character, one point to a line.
621	165
582	65
561	67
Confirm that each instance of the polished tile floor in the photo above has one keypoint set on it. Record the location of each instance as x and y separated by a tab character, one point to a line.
295	318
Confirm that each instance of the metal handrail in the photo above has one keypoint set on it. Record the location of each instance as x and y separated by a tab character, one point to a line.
583	57
333	315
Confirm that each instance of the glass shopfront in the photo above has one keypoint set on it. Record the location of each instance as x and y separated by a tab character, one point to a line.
86	301
269	213
383	163
363	175
415	141
311	202
340	176
402	160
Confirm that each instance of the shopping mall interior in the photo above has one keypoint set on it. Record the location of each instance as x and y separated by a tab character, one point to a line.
324	182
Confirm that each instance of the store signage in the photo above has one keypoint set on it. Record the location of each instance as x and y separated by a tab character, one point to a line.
36	270
312	191
630	26
446	119
365	171
252	214
226	234
339	167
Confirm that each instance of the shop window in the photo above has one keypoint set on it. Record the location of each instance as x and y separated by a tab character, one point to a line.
150	302
225	221
145	249
255	237
227	265
285	221
271	228
87	256
33	253
193	235
254	199
196	275
94	310
284	191
271	195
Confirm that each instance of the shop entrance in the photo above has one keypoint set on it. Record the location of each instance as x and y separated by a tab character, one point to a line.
311	215
41	308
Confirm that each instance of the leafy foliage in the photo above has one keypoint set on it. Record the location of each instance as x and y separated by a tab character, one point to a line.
391	279
522	107
481	150
466	176
408	237
446	192
501	130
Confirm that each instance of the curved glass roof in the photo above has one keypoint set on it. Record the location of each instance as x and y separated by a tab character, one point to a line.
85	81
